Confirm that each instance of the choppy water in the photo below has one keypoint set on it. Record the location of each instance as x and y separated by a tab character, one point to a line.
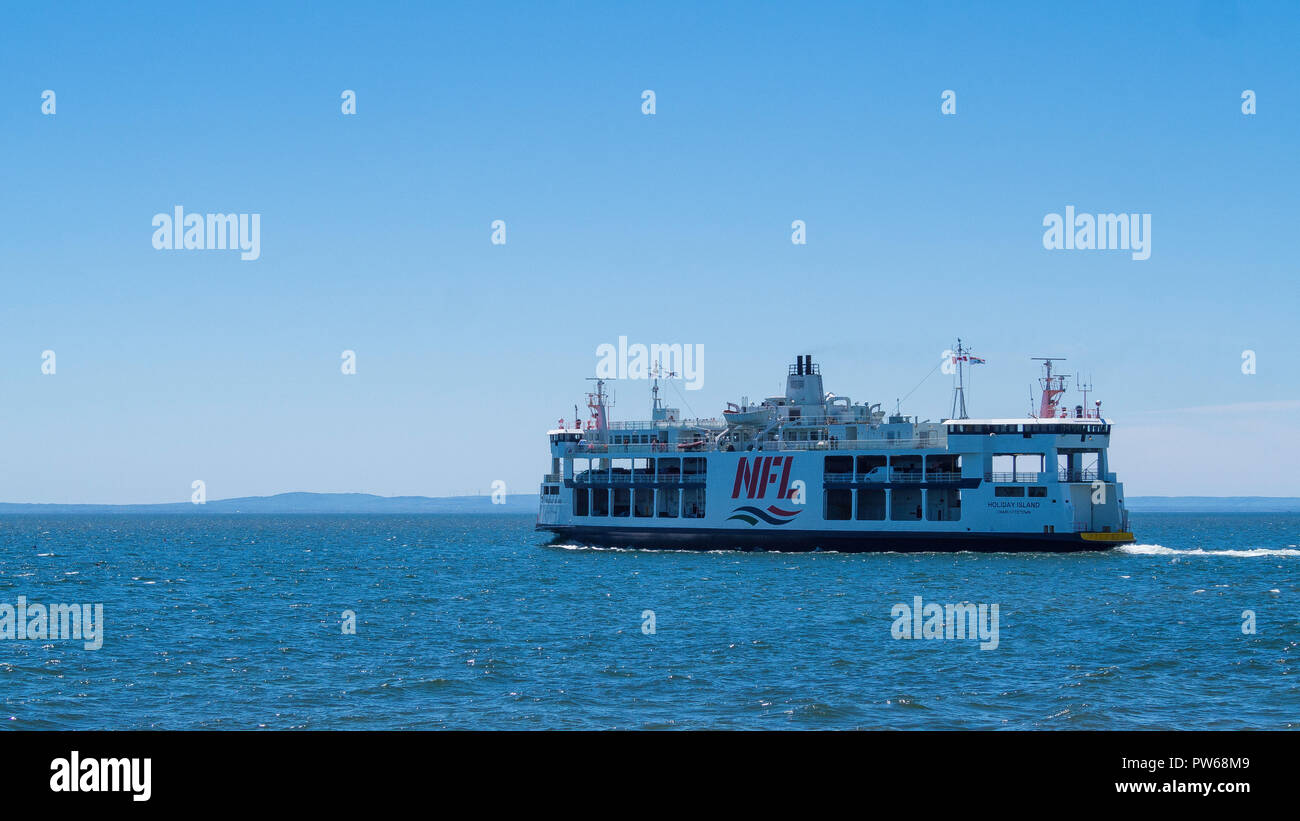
473	622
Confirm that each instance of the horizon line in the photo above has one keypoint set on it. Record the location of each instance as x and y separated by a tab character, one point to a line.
460	497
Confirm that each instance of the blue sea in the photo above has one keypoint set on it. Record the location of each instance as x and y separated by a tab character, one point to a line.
475	622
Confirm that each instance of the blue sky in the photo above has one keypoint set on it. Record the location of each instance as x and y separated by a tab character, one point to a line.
674	228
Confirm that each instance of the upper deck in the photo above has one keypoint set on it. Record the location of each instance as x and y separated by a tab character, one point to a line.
1031	425
806	418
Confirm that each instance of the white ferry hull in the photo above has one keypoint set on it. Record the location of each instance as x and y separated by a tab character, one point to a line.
831	475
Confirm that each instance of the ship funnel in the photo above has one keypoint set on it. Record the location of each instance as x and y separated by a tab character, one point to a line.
803	384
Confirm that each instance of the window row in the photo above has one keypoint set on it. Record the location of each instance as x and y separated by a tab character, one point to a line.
877	465
668	466
897	505
642	503
1057	429
1019	491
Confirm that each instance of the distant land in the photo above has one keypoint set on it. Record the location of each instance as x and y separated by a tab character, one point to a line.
305	503
1213	504
326	503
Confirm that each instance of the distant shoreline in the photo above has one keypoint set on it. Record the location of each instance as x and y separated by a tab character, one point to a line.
1213	504
341	503
323	503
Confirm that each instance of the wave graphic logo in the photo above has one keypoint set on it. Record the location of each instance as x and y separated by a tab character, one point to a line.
773	515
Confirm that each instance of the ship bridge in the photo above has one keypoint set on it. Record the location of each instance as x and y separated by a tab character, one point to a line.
1032	449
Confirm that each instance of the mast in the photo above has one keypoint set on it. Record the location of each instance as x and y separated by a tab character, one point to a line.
1084	388
1053	386
656	405
959	392
599	402
962	357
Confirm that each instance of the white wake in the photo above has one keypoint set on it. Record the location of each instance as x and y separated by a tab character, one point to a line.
1159	550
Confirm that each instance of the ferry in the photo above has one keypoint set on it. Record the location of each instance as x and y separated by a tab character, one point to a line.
811	470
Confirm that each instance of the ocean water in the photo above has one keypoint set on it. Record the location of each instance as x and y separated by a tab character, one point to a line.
235	621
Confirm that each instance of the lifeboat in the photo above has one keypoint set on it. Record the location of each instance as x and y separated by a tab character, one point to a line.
735	417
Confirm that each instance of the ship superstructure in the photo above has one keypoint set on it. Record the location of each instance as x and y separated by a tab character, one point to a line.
810	470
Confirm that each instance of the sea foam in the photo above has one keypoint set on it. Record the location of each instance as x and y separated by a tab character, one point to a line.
1159	550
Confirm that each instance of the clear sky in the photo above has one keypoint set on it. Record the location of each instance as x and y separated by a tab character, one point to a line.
673	227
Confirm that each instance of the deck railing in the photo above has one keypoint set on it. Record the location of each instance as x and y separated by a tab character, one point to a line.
664	424
1089	475
1017	476
893	475
861	444
704	445
687	448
